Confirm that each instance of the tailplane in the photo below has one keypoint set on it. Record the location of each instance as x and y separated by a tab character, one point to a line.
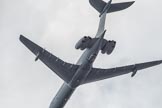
101	6
120	6
98	5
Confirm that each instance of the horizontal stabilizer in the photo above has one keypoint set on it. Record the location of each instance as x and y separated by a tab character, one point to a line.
99	5
119	6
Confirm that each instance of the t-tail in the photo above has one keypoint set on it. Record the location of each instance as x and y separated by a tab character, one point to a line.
102	6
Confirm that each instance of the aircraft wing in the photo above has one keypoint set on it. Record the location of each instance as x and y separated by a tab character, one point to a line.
62	69
97	74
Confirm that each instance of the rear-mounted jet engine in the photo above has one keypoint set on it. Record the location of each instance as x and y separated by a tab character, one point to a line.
87	42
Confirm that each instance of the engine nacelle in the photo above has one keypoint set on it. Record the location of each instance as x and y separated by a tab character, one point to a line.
87	42
108	47
83	43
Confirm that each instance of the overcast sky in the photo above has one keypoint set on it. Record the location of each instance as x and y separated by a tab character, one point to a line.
57	25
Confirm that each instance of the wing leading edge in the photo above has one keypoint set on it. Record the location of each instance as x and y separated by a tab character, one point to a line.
62	69
97	74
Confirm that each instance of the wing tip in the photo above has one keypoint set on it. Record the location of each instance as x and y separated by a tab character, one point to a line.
160	61
21	38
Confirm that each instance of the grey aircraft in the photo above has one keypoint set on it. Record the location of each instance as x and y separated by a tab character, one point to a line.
83	71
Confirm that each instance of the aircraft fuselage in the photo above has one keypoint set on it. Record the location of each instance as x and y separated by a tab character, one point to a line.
86	63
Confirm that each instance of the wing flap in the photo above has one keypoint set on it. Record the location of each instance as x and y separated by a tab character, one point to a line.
62	69
97	74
